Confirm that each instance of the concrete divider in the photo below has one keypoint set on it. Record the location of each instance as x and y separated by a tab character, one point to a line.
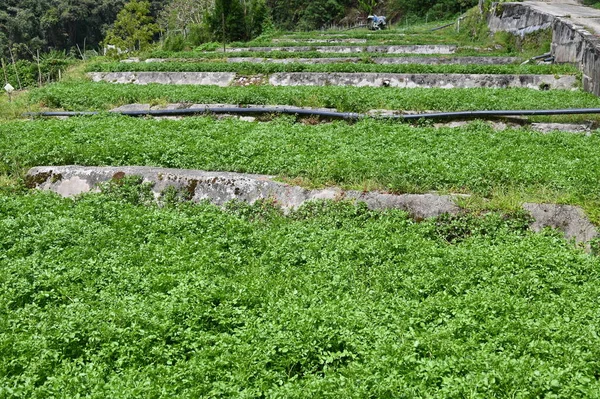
573	38
384	60
173	78
407	49
446	81
341	40
222	187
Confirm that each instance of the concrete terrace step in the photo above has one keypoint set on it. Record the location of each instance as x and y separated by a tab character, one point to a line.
173	78
446	81
397	80
385	60
222	187
468	60
404	49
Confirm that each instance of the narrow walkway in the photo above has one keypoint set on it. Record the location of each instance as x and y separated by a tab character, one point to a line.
572	10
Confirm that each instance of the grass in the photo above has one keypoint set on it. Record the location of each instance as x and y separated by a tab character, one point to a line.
392	157
104	96
18	105
107	296
268	68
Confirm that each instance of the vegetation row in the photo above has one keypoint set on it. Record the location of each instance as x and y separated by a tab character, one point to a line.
103	96
268	68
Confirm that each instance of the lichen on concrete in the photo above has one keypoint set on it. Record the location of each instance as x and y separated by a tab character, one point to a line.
223	187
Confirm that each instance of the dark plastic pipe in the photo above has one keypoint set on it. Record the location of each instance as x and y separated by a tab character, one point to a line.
329	114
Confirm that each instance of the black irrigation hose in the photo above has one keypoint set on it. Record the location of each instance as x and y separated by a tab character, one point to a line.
442	27
328	114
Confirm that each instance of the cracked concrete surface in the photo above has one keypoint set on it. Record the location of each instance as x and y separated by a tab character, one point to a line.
570	10
403	49
173	78
384	60
222	187
445	81
571	220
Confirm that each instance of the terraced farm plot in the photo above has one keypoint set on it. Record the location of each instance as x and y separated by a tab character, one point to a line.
123	291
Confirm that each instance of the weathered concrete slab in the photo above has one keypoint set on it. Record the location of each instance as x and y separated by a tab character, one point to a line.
340	40
575	30
222	187
258	60
446	81
405	49
383	60
571	220
132	107
172	78
561	127
448	60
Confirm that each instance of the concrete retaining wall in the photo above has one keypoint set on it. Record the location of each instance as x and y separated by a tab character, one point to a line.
571	43
222	187
518	19
446	81
173	78
384	60
410	49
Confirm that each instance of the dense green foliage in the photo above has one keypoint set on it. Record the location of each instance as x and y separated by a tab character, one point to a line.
233	20
30	74
102	96
268	68
107	296
396	157
31	25
200	55
134	27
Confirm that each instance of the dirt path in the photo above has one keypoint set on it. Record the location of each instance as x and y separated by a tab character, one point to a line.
587	17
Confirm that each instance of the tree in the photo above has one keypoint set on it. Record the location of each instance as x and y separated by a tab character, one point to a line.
181	14
367	6
134	27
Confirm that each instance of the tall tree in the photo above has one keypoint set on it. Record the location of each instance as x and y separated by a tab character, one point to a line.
180	14
134	27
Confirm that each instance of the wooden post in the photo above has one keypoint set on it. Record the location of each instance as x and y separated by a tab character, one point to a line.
223	24
4	69
15	67
39	69
6	80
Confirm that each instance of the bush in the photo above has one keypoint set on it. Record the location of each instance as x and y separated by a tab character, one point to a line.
174	43
198	35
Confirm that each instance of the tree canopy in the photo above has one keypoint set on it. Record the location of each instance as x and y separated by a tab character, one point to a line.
30	25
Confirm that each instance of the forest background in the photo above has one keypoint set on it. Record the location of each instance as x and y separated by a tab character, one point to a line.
76	26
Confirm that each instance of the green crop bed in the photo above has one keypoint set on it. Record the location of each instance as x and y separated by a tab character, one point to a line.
373	40
268	68
116	295
103	96
111	296
311	54
366	155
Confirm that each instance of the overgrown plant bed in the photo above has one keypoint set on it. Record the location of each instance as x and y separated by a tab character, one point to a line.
104	96
463	51
513	166
110	295
268	68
